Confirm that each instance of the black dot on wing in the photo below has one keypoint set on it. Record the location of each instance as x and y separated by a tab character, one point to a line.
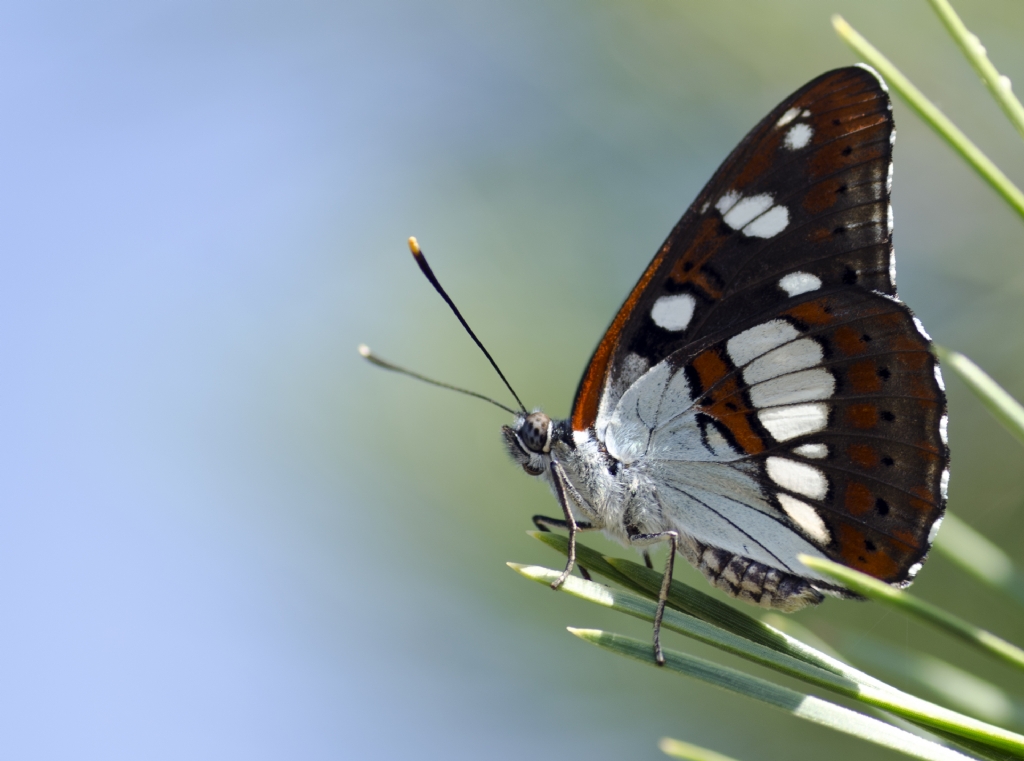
881	506
849	276
865	338
708	271
883	373
731	406
848	150
888	416
836	122
869	545
842	188
888	462
687	266
839	230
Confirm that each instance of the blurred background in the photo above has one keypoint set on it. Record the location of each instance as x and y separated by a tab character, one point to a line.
222	534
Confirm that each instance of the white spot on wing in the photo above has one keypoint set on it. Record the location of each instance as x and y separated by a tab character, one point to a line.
744	210
805	113
797	355
914	569
806	386
812	451
727	201
769	224
881	82
888	179
704	208
785	423
787	117
938	378
633	365
806	517
796	283
888	218
798	137
673	312
934	530
892	268
944	429
920	329
797	476
755	341
755	216
944	484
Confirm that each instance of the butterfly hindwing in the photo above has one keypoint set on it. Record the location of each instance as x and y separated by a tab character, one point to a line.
837	403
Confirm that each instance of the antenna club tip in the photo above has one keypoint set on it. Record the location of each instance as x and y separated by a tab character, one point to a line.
364	350
414	246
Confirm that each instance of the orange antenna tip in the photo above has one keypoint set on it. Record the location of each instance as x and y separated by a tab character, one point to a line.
414	246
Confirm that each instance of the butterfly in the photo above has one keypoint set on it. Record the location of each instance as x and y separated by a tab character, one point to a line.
762	393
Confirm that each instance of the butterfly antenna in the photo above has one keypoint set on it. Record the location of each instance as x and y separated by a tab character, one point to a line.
364	350
421	260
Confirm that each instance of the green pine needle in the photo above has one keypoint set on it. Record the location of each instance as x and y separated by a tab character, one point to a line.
688	752
797	704
932	116
837	677
996	399
975	53
880	591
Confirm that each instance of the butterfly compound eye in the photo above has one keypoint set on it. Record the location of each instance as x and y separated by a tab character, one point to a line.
535	432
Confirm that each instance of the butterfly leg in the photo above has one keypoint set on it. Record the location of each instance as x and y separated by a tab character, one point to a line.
563	485
544	523
666	582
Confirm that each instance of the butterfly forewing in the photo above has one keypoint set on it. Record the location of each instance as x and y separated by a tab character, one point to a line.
784	355
805	192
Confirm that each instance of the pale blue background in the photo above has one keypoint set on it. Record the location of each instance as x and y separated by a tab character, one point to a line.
224	536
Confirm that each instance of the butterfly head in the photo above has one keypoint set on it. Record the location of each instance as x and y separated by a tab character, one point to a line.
529	441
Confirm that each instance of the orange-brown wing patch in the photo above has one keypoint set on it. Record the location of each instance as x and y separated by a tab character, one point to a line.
588	395
863	455
858	499
874	555
812	313
862	416
690	268
722	398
